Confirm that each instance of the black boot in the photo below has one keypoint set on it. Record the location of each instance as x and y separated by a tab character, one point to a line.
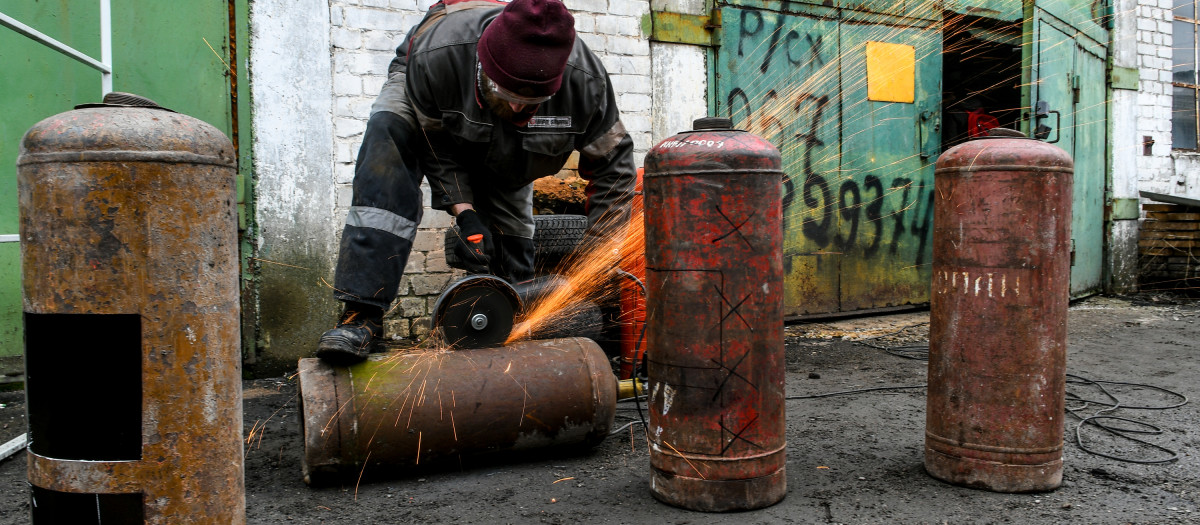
356	335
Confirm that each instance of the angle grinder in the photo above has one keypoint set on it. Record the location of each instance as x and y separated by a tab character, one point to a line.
476	311
479	311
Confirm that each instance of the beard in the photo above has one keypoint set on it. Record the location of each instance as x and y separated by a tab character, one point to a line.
501	109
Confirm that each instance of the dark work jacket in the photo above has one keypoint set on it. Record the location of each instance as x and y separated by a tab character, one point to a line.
468	149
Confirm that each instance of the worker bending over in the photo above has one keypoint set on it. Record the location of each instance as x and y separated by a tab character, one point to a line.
482	98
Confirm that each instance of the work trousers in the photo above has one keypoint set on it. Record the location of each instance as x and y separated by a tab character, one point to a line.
386	209
384	214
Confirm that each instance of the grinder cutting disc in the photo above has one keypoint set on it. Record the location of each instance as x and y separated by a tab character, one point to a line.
476	312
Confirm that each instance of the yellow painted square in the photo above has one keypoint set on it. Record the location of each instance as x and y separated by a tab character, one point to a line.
891	72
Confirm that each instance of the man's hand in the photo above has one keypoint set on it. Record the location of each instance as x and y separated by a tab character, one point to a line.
474	241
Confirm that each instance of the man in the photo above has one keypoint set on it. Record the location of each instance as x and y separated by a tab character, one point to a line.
482	98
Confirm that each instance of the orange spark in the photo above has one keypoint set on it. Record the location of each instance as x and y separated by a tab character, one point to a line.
701	474
360	473
586	278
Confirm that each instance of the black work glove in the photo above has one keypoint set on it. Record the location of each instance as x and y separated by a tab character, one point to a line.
474	241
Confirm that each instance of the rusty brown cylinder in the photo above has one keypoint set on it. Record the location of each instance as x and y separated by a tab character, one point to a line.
714	314
128	225
998	324
409	409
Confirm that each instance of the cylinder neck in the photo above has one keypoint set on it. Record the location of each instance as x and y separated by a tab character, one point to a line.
712	123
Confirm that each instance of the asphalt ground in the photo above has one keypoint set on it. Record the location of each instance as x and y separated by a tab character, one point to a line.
855	439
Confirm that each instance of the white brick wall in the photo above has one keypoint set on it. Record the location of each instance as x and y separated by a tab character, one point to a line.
1154	92
363	36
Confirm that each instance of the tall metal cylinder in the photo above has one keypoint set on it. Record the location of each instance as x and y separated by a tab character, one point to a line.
998	325
714	314
402	410
128	225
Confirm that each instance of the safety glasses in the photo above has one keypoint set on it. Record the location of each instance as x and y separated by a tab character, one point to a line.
508	96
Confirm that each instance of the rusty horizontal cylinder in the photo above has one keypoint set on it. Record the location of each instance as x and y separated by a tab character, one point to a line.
997	331
407	409
129	238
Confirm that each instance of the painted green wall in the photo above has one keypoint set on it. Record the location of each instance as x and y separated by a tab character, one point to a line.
1066	53
37	83
159	51
174	53
858	201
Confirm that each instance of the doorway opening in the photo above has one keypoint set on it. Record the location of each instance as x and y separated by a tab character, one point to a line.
981	82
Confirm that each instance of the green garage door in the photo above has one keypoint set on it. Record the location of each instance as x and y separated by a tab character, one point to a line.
172	52
851	97
1065	54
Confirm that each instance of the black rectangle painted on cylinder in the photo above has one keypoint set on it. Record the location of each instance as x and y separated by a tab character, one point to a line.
83	385
53	507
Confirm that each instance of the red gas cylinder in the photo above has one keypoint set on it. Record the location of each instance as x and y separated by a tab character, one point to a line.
998	330
714	275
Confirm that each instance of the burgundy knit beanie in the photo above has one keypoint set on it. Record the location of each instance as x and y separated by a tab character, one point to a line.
525	48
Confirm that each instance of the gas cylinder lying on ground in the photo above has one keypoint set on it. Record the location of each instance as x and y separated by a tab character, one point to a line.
396	411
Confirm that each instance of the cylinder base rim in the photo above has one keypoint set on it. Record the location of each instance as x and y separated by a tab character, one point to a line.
718	495
993	476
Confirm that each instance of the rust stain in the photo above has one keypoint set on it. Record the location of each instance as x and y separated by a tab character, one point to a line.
997	333
132	211
346	419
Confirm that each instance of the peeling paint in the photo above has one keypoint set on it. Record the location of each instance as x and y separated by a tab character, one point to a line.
668	398
293	156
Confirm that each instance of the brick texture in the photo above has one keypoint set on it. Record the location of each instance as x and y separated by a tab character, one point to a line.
1154	97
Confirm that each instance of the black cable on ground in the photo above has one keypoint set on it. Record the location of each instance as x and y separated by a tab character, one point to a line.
917	352
1140	427
921	352
627	425
859	391
638	404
